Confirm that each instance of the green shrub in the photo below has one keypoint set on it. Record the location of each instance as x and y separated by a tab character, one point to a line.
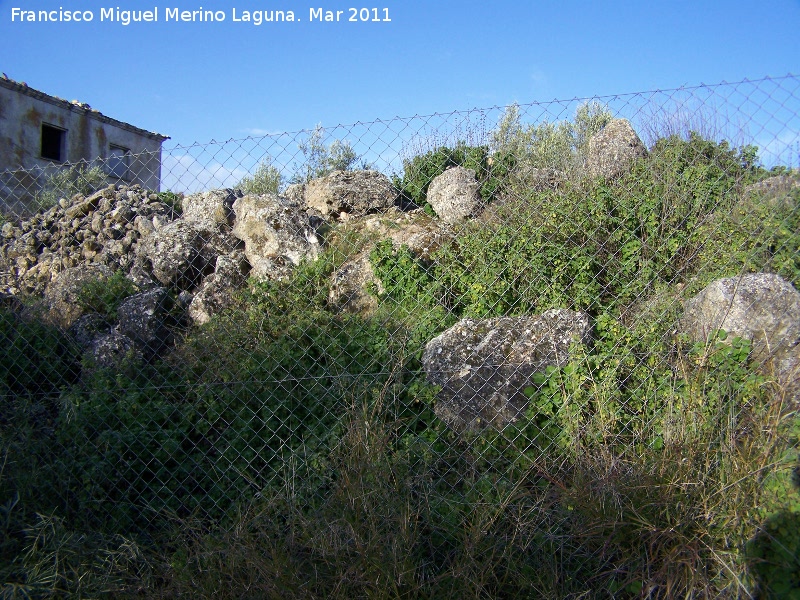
420	171
219	425
36	359
104	296
514	149
320	160
561	146
65	183
267	179
759	233
599	249
172	199
260	388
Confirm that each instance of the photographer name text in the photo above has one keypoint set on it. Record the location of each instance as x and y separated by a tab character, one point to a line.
200	15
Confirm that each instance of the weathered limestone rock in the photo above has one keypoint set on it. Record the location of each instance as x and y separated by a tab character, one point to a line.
779	184
455	195
83	206
87	328
276	234
761	307
179	254
143	318
113	350
349	193
422	234
350	286
216	292
296	193
62	294
349	290
613	149
777	193
211	210
483	367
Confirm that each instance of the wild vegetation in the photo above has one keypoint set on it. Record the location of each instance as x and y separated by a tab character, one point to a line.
65	183
285	450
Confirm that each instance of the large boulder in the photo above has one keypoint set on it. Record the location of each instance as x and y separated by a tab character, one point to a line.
612	150
62	295
455	195
211	210
276	234
144	317
217	290
347	194
354	283
484	366
350	286
179	254
87	328
761	307
111	350
295	193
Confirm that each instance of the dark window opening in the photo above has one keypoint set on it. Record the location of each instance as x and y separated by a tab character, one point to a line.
53	143
119	162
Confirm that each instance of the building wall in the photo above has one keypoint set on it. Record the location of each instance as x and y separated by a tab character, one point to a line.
88	136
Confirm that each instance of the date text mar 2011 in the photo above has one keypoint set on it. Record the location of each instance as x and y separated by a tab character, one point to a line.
321	15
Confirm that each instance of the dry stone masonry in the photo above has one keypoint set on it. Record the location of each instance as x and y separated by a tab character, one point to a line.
102	229
187	265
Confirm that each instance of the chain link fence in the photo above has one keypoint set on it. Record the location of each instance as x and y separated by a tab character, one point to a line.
543	350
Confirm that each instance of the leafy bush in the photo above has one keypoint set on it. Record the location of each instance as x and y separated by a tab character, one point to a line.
599	249
561	146
514	150
104	296
65	183
36	360
760	233
267	179
217	423
172	199
320	160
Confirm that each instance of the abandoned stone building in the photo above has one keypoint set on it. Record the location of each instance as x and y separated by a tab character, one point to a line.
41	134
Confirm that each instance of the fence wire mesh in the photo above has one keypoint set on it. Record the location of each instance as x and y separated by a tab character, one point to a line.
542	350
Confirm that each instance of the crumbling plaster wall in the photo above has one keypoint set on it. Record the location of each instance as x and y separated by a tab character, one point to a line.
89	134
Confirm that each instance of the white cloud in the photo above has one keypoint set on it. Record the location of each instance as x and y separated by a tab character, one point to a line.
186	173
256	132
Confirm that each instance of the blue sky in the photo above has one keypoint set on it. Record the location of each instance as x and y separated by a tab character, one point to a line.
220	80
